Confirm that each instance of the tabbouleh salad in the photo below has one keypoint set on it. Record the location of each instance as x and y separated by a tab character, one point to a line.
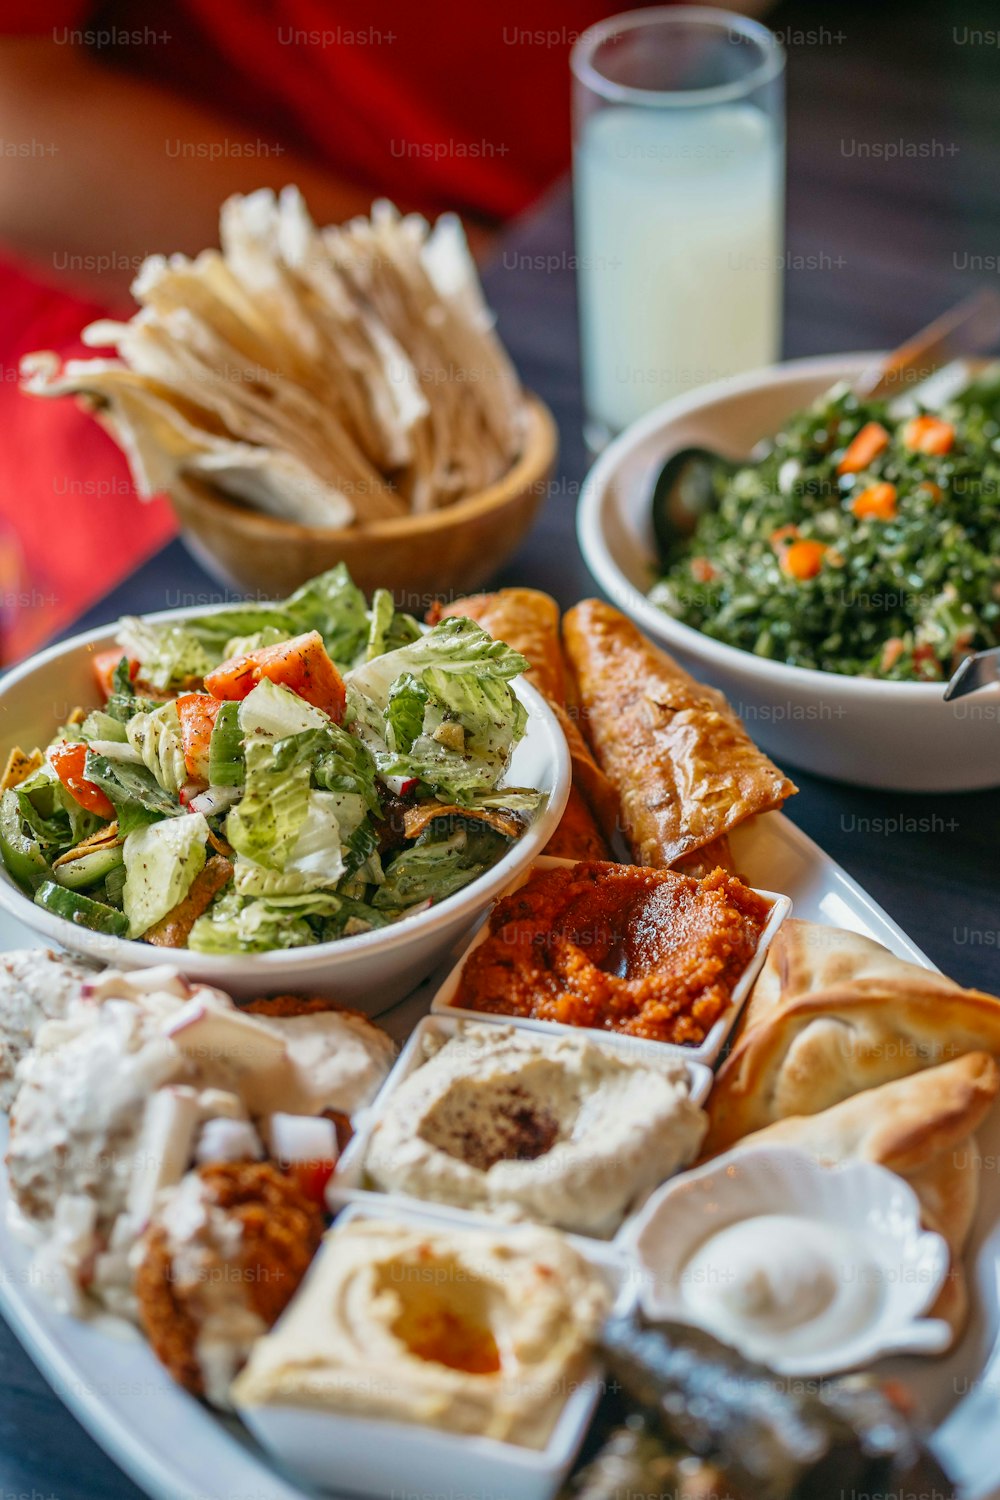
865	542
273	775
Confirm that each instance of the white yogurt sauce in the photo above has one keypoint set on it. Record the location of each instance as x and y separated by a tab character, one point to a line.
778	1283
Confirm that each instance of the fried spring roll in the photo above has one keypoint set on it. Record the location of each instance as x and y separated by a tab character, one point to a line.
685	770
528	620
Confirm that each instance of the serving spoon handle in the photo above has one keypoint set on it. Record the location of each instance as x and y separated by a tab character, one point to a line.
971	325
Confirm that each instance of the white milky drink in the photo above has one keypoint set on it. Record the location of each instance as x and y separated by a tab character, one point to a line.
679	243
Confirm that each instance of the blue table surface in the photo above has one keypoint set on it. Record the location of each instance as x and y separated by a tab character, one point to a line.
875	248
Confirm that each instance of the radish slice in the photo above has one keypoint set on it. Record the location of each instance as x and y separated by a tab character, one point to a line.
400	785
302	1138
216	799
228	1140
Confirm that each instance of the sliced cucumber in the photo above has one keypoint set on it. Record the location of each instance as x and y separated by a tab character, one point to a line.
89	868
226	764
21	853
81	909
114	885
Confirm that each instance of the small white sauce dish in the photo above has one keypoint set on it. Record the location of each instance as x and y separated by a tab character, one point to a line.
707	1052
349	1183
342	1451
808	1269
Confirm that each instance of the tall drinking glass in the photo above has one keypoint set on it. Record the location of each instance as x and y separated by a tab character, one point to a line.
678	175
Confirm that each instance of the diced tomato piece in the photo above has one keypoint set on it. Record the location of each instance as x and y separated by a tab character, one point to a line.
702	570
68	761
864	448
928	435
105	664
197	713
301	664
876	503
311	1178
803	560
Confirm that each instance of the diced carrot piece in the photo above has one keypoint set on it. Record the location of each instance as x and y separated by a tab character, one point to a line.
68	761
105	664
864	448
891	652
803	560
301	664
928	435
876	503
934	490
702	570
197	712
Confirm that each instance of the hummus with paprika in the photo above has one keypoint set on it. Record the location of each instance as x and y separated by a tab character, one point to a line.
650	953
467	1330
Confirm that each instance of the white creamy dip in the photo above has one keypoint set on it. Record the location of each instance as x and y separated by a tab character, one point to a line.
780	1283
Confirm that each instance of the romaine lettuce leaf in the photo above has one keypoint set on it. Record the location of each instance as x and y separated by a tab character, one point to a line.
438	867
275	712
265	825
404	712
160	863
390	628
234	924
456	645
126	784
167	653
157	738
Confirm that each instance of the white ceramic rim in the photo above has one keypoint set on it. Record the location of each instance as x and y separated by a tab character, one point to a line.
866	1346
127	952
619	588
770	66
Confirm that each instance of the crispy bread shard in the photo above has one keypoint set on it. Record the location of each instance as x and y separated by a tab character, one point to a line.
832	1015
920	1127
685	770
528	620
173	930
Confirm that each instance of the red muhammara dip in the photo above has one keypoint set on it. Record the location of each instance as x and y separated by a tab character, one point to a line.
621	948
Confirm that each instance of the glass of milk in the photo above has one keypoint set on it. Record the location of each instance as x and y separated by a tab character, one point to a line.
678	185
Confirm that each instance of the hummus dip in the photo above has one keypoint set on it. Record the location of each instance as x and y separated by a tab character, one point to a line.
558	1129
465	1330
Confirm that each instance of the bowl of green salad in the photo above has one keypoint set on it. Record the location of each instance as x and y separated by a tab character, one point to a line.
317	795
841	574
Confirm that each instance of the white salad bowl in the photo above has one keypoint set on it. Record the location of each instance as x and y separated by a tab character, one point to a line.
370	971
897	735
907	1263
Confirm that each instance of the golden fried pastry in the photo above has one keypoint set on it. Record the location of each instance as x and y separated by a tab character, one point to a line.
529	622
834	1014
221	1259
685	770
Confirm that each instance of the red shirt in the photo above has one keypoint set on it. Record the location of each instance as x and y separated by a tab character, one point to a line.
444	103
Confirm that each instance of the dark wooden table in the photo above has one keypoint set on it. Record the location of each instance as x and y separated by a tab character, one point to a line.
893	213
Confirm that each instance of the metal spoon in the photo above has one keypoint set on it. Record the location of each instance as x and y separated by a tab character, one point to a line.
975	672
684	487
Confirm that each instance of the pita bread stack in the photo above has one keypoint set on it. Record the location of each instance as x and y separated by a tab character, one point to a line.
322	376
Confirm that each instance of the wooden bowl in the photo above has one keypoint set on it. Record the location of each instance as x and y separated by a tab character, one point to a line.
449	551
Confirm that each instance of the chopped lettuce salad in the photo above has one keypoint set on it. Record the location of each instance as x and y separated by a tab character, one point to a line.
273	775
866	542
